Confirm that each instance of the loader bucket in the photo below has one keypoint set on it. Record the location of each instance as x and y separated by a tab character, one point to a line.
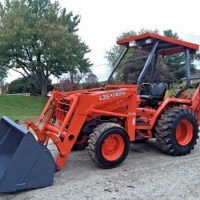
24	163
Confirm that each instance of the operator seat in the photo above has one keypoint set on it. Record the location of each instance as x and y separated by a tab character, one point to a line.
157	92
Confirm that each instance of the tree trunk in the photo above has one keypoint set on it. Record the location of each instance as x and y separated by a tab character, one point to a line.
44	85
43	81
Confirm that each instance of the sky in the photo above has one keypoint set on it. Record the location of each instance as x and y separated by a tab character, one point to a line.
103	20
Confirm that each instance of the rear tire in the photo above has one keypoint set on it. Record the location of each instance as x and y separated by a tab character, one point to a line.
177	131
108	145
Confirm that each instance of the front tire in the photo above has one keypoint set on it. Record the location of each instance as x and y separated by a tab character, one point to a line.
177	131
108	145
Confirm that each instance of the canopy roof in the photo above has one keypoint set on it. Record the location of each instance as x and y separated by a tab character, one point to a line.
167	45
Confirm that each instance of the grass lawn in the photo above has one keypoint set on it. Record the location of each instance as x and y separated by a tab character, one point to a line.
30	107
21	107
189	92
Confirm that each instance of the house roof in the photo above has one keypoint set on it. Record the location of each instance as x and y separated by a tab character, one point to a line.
193	76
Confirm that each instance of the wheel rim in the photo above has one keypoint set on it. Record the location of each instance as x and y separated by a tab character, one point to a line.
184	132
113	147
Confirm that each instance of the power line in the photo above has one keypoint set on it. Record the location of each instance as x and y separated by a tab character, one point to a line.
133	59
100	65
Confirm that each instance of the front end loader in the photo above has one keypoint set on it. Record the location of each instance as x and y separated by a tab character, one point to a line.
104	119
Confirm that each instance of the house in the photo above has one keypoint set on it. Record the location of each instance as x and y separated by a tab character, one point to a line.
194	79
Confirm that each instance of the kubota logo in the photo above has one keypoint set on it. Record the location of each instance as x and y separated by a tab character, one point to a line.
108	96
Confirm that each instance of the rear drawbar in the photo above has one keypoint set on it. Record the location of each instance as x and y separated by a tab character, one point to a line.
24	163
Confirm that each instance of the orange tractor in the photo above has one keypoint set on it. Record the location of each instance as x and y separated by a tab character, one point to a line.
104	119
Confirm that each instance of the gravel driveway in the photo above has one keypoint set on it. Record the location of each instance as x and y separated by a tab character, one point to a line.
145	174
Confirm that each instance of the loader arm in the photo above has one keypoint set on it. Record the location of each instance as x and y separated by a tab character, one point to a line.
73	110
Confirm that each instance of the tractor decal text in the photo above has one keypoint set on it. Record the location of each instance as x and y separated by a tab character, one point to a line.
108	96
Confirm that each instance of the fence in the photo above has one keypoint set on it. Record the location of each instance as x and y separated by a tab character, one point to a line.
19	94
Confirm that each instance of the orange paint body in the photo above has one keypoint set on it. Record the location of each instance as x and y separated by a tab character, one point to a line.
73	109
69	114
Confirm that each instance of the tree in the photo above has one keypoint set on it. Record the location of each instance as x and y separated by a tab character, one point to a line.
3	75
176	63
27	85
65	85
115	52
197	56
39	39
92	78
91	82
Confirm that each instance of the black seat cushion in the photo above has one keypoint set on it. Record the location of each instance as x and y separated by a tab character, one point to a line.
157	92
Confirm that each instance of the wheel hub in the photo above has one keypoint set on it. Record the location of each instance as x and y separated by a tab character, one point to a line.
113	147
184	132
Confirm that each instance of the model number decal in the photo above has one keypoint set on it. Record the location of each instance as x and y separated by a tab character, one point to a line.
108	96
